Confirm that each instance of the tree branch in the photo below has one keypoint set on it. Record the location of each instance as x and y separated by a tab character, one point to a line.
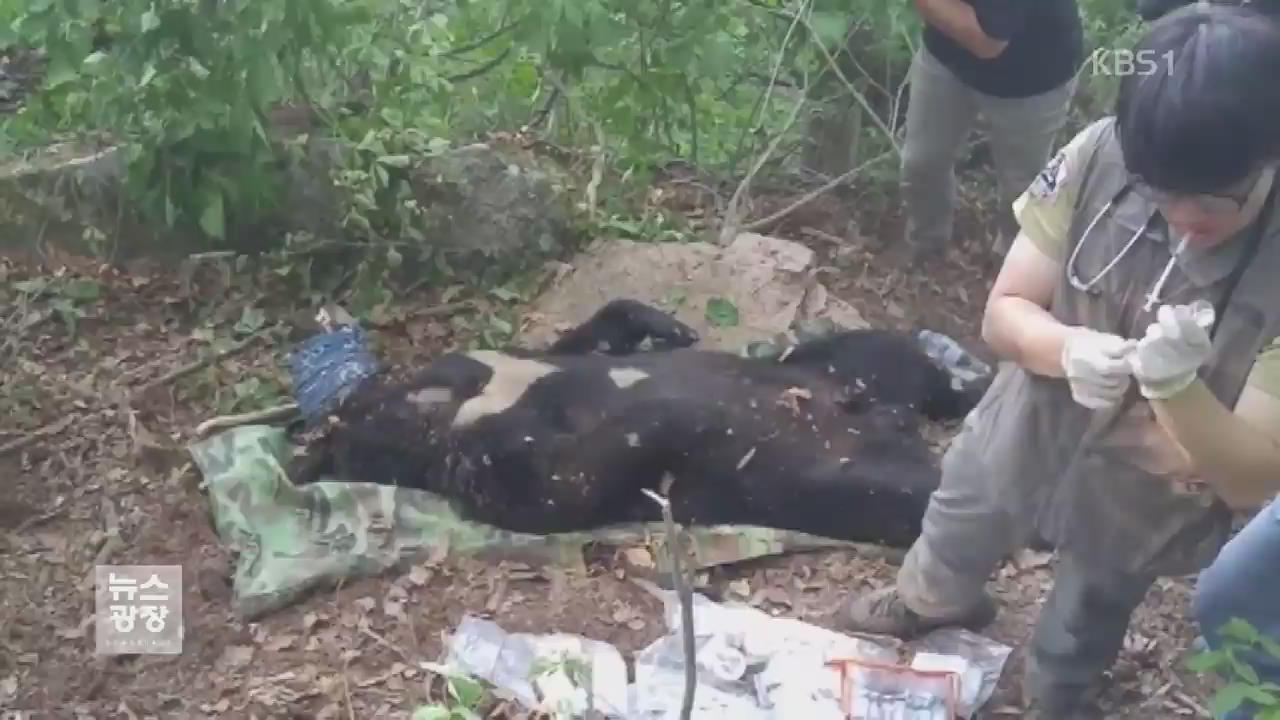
477	72
685	595
476	45
764	222
733	213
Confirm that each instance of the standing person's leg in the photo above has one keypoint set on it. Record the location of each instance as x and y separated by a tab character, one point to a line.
1022	133
1078	636
1242	583
940	114
967	531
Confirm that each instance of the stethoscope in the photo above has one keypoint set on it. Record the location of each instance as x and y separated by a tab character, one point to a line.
1153	297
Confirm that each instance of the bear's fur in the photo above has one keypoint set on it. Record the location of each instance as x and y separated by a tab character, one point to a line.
824	440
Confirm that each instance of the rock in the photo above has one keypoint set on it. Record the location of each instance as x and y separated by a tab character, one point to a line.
487	208
491	211
65	196
767	281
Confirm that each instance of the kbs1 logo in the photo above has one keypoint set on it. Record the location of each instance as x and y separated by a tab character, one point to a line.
1121	62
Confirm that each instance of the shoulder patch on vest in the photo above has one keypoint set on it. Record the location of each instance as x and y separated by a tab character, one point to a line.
1050	178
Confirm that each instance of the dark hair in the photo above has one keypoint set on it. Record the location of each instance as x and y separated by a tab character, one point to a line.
1205	111
1153	9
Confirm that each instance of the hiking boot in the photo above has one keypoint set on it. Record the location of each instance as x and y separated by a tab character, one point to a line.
1057	701
909	255
883	612
1083	707
1038	712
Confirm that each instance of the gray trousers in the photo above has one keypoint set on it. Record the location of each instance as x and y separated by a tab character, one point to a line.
971	524
941	112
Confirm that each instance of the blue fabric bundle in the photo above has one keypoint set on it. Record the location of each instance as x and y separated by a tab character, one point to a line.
327	367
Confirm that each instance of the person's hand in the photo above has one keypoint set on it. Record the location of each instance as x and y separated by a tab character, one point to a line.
1168	357
1096	365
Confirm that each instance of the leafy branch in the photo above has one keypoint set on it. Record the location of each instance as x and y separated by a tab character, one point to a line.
1243	683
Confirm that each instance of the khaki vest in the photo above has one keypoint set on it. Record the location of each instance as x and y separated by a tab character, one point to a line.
1112	486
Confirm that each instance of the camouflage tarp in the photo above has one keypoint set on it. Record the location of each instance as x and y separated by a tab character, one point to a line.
290	540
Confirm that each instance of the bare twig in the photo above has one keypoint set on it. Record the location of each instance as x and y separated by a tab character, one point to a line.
542	114
368	631
270	414
503	30
52	428
835	67
597	172
733	213
482	69
185	370
1188	702
686	602
777	65
857	94
810	196
732	216
33	521
346	691
894	108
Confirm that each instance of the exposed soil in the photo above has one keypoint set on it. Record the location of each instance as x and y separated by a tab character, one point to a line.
113	486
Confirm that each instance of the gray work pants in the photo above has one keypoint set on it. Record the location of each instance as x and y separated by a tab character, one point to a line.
971	524
941	112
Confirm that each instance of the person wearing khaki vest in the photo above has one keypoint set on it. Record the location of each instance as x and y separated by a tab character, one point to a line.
1137	404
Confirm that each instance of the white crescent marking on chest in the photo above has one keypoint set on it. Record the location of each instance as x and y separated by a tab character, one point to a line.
511	378
626	377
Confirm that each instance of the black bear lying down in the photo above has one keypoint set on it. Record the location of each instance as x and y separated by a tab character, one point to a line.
824	440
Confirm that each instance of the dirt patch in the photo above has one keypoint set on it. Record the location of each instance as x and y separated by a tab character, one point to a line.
113	486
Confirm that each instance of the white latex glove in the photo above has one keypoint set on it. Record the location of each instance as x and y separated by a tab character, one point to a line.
1166	360
1096	365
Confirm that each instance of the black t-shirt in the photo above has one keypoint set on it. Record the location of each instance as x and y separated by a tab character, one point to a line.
1045	47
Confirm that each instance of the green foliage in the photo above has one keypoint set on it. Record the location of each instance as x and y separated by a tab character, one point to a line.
191	88
1242	681
188	84
576	669
667	78
721	312
465	696
64	298
1108	26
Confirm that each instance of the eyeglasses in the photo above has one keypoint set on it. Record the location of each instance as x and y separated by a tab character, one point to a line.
1213	203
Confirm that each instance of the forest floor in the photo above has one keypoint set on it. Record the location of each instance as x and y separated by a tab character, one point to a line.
110	483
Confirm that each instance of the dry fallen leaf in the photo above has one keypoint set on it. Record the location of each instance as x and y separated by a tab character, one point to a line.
437	554
790	398
235	656
639	557
394	609
280	642
419	575
629	616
